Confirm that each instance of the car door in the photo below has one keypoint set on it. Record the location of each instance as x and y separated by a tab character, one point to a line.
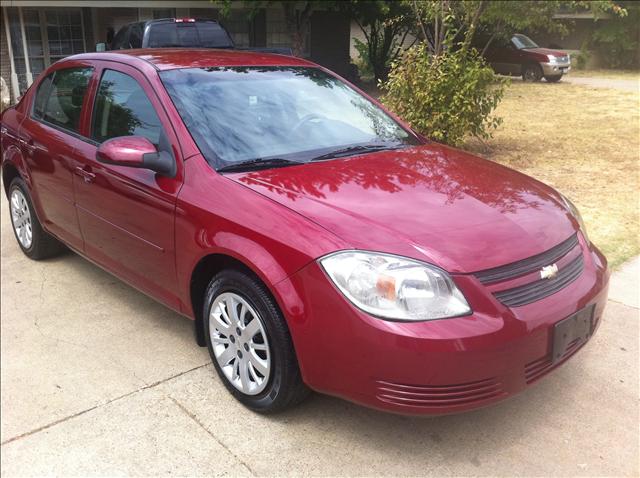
49	136
127	214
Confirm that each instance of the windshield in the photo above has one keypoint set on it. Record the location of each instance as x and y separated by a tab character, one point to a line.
522	42
239	114
187	34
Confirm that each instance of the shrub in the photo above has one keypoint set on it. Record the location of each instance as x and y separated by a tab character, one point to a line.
618	39
365	70
445	97
581	59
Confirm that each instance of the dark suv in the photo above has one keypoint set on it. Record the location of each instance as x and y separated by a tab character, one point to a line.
520	56
172	32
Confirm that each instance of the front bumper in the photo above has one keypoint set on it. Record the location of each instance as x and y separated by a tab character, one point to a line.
555	69
435	367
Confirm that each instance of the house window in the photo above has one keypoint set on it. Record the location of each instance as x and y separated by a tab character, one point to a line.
65	32
33	35
277	33
238	25
50	34
164	13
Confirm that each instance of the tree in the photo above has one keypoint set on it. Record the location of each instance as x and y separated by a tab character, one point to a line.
618	38
445	24
297	16
385	26
502	19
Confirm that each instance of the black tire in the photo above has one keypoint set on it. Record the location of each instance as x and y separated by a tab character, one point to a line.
285	387
531	72
553	79
43	245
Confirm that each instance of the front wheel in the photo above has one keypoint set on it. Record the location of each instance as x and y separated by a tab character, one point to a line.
553	79
249	343
531	72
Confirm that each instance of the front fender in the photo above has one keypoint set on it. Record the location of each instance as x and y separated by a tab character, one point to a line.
215	215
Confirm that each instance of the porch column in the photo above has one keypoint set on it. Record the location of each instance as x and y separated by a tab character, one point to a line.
25	49
15	86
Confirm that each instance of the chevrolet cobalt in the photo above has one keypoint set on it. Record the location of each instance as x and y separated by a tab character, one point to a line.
316	241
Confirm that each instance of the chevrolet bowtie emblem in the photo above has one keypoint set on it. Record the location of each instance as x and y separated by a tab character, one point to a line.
549	272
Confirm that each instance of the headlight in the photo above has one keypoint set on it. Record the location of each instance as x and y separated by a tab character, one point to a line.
393	287
575	213
552	58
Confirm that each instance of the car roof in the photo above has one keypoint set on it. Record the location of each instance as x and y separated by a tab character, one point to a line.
174	58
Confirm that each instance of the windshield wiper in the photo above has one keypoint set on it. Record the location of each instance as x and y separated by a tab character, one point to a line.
351	150
258	163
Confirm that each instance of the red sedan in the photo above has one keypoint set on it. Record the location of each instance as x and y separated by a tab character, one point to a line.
315	239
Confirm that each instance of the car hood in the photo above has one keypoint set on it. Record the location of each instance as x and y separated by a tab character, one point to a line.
547	51
432	203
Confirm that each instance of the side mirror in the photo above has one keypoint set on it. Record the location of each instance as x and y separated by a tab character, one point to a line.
136	152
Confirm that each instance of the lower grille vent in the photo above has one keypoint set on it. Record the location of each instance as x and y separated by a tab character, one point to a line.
438	395
536	369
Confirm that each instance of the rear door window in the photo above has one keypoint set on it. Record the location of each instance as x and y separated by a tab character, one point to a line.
41	96
63	104
122	108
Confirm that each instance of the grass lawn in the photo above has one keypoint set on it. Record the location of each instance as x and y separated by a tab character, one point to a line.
583	141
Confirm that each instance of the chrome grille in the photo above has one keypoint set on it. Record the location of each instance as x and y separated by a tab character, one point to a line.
533	263
542	288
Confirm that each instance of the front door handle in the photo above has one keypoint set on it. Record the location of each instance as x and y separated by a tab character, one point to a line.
28	145
88	176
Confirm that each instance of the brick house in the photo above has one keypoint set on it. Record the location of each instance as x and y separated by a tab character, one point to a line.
36	33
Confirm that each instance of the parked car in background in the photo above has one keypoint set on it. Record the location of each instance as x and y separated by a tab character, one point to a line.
314	238
520	56
178	33
172	33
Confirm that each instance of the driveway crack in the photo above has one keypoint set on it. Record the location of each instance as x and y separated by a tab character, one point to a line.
201	425
99	405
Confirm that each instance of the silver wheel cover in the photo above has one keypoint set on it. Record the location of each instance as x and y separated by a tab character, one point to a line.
21	218
240	343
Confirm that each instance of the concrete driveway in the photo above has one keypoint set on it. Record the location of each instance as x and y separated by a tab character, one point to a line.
630	84
98	379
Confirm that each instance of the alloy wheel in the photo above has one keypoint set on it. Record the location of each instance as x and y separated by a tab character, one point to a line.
240	343
531	74
21	218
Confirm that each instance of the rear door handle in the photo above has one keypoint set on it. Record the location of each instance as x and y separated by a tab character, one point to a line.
88	176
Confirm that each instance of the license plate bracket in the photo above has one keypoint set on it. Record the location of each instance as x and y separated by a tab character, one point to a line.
577	326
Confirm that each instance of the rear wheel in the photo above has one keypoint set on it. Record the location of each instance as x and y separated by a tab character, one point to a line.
553	79
249	343
531	72
34	241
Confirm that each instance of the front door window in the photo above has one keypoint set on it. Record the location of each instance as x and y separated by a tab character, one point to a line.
122	108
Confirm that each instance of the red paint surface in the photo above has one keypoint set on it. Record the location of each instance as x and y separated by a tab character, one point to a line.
429	202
